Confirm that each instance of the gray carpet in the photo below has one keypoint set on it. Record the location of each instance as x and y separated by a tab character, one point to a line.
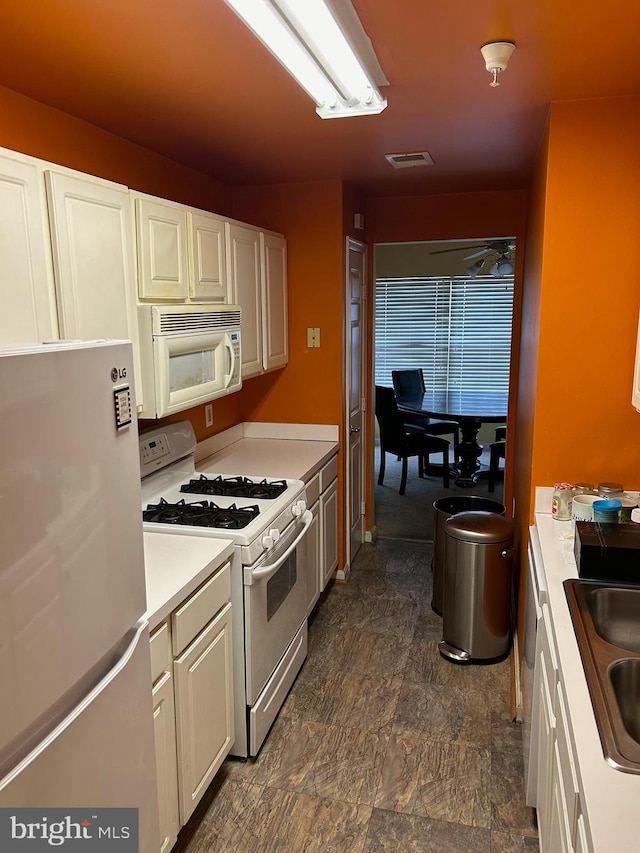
411	516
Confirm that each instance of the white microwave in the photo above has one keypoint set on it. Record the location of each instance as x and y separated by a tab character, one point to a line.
190	354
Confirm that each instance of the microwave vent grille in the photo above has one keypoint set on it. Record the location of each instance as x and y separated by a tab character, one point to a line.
198	321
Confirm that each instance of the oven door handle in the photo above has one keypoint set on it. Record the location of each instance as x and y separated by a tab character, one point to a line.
270	569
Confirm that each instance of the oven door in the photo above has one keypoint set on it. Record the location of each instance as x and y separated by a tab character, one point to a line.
275	602
192	369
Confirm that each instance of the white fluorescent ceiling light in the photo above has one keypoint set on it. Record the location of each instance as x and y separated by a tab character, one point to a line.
306	38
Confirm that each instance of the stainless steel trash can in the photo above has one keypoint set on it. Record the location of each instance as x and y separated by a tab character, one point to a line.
443	509
476	619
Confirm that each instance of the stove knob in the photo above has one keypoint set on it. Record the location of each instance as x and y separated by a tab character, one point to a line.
298	508
270	539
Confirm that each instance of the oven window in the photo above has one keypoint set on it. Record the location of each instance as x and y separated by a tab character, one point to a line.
280	585
191	369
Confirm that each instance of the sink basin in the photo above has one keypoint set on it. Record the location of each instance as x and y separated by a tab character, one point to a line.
606	620
625	678
615	613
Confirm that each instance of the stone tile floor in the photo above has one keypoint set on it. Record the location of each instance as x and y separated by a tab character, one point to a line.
382	745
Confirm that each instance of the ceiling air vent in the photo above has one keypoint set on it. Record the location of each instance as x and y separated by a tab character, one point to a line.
414	158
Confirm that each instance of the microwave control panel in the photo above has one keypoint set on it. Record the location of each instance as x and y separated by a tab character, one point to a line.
234	337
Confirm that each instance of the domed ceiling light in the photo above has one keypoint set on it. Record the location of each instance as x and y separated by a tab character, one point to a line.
496	55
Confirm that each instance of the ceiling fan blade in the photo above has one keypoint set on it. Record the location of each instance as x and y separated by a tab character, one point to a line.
457	249
477	254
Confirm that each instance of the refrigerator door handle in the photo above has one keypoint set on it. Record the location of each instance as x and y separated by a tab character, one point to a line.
140	629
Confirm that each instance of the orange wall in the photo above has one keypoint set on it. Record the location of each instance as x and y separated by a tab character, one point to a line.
32	128
584	426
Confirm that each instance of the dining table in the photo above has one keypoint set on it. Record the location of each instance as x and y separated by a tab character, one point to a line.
470	409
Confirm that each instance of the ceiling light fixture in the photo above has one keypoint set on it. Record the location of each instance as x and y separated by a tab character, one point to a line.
503	266
316	49
496	55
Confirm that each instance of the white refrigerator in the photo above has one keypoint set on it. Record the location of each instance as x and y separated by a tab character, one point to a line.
76	717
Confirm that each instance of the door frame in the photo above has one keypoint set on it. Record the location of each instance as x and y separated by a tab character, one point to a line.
358	246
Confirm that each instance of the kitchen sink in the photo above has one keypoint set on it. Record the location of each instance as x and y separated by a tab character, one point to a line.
606	620
615	613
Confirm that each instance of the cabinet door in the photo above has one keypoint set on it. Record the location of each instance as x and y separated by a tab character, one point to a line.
164	721
91	235
275	342
163	269
243	259
635	397
204	709
208	258
547	668
312	554
26	281
329	514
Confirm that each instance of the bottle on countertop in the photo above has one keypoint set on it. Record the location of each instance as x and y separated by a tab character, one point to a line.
584	489
561	501
610	490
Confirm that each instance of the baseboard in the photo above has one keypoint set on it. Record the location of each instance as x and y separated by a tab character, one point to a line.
371	535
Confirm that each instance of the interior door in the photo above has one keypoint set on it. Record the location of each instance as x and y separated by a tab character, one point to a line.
355	356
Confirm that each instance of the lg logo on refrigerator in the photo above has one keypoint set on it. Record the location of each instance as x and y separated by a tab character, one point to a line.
118	373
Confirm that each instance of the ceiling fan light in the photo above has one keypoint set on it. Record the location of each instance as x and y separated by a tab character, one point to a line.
475	268
503	267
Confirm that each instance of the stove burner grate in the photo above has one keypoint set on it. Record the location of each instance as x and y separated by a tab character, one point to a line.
235	487
200	514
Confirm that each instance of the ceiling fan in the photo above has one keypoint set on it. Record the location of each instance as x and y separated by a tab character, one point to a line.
494	257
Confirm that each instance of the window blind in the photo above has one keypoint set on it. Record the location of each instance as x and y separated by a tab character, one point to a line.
458	330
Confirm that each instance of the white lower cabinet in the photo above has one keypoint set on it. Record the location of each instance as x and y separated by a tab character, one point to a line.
192	671
204	710
561	825
329	520
312	555
164	724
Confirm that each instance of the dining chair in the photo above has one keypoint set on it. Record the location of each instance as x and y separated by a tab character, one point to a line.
405	440
410	383
497	451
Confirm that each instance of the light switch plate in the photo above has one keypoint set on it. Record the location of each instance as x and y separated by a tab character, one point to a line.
313	337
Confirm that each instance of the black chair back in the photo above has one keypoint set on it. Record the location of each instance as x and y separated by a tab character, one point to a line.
393	435
408	383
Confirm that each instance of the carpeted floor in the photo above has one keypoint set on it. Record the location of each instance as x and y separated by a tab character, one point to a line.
411	516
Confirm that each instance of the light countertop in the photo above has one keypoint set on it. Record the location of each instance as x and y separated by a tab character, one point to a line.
253	454
611	797
175	566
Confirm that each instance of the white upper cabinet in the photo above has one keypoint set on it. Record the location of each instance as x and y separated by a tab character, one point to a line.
274	289
243	254
257	267
26	279
181	252
161	231
91	238
208	257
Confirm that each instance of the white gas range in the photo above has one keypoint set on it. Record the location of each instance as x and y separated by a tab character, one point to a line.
267	521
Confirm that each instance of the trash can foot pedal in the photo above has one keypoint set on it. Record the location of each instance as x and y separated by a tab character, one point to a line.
452	653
